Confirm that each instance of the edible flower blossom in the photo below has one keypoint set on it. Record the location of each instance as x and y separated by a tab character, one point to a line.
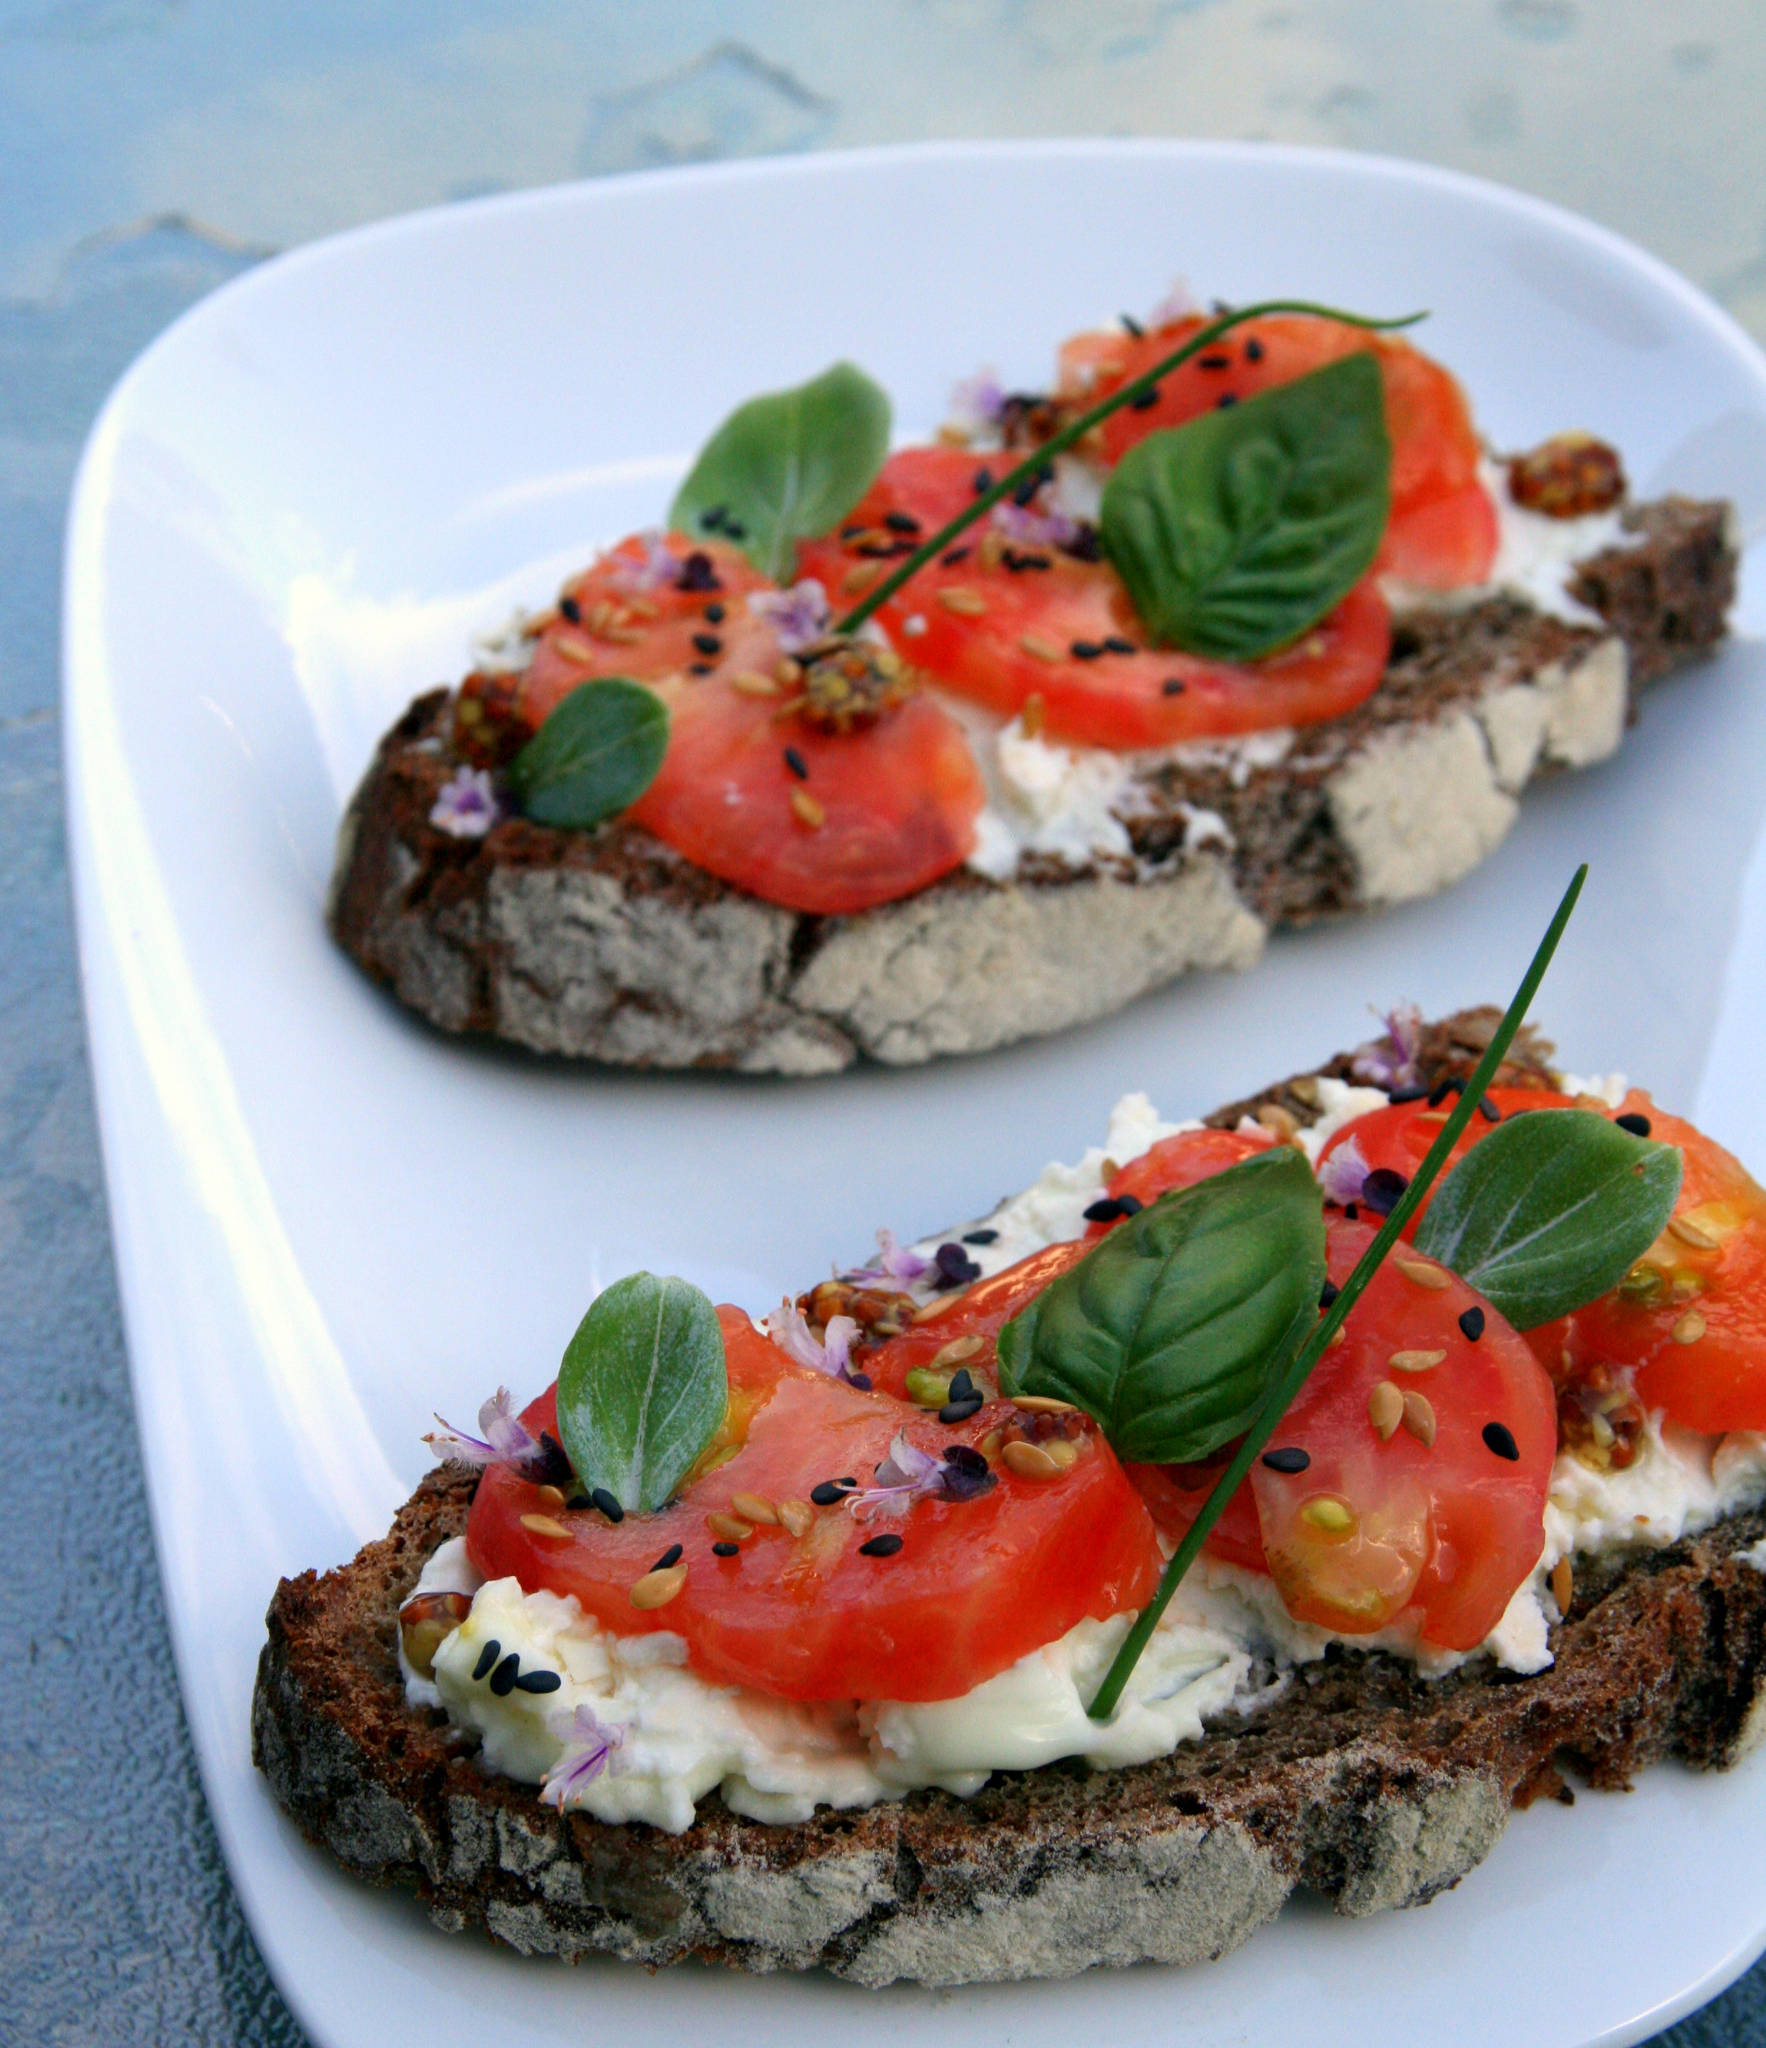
506	1440
658	569
467	806
893	1262
788	1329
1390	1061
908	1474
1343	1175
589	1745
1051	529
1179	303
799	616
978	404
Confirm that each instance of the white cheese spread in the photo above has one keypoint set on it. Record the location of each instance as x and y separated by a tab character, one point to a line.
1223	1644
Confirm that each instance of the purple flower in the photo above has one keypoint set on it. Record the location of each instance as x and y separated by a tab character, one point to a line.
1053	529
506	1439
908	1474
978	403
467	806
1342	1174
588	1744
799	616
658	569
1179	303
1390	1061
788	1329
893	1262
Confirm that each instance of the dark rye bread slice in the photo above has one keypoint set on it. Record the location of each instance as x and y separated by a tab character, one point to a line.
606	945
1359	1781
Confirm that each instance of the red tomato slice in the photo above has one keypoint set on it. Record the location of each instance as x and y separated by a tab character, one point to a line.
1690	1317
892	805
1443	527
976	1585
1179	1162
1374	1531
1002	635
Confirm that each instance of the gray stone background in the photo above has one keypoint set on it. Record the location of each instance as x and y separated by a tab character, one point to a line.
149	150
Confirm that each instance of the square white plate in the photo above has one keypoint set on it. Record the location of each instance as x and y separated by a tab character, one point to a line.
330	1221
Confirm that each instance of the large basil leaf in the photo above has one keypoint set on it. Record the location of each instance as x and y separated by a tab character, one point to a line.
643	1389
787	466
1169	1332
1550	1210
1240	529
595	755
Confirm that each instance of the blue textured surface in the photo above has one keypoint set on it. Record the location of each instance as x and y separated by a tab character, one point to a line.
126	123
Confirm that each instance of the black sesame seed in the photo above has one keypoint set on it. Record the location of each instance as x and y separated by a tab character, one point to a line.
504	1677
1501	1440
1471	1325
697	574
1214	362
1085	650
571	610
1253	349
712	518
607	1504
880	1546
955	1267
983	481
699	668
1130	1205
1106	1209
670	1557
1173	686
961	1385
952	556
826	1494
1027	490
1442	1089
960	1411
852	531
726	1550
901	522
1014	559
715	613
1144	401
734	529
1351	1212
1488	1110
980	1237
1407	1095
861	1380
1225	399
849	1480
579	1500
1115	644
1131	326
538	1681
707	644
1289	1458
1637	1125
797	764
1328	1293
1381	1189
487	1657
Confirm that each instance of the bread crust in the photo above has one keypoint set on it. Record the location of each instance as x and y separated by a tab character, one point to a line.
1360	1781
605	945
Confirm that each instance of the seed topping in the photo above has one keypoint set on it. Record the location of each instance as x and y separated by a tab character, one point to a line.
1499	1438
1385	1409
1415	1361
1029	1461
809	812
1419	1417
1471	1323
1421	1275
880	1546
660	1585
546	1525
957	597
1690	1328
1288	1458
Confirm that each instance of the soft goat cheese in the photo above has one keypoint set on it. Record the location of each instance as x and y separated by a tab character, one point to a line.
1226	1632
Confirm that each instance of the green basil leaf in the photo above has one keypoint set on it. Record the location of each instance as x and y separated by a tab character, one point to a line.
787	466
595	755
1240	529
643	1389
1550	1210
1171	1329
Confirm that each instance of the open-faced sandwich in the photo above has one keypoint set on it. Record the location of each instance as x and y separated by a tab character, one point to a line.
1239	1509
913	753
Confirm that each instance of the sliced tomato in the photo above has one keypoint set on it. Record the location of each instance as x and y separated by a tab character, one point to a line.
1433	1526
813	819
1690	1317
999	623
1179	1162
976	1584
1443	529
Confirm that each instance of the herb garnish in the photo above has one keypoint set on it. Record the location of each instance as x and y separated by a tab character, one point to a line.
1030	470
786	466
642	1390
595	755
1286	1385
1549	1210
1238	530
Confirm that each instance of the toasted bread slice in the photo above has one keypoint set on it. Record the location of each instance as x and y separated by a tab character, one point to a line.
607	945
1361	1781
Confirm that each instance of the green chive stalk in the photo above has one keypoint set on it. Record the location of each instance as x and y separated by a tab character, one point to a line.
1280	1396
1076	430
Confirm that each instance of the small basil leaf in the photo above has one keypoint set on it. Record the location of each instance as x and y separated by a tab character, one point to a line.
1240	529
643	1389
596	754
787	466
1169	1331
1550	1210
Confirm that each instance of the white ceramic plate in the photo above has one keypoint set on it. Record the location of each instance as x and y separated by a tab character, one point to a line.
329	1221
